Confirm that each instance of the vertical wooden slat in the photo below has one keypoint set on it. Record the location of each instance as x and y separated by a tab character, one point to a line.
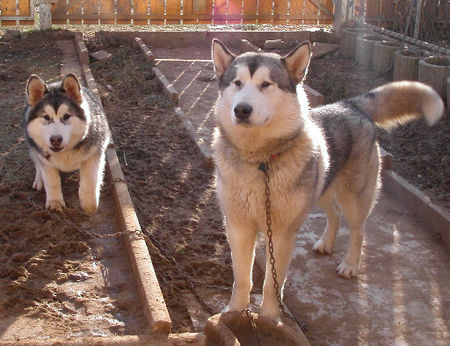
280	12
59	12
25	11
249	12
311	11
75	10
371	10
234	10
173	12
8	8
140	16
157	11
296	11
220	11
387	10
91	14
329	5
107	15
265	11
123	15
197	11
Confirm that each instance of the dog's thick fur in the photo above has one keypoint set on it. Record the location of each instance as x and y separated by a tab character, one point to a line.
66	130
327	155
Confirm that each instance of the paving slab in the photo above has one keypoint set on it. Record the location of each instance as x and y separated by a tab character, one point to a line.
402	295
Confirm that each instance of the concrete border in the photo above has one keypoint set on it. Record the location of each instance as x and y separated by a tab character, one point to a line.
152	299
432	216
180	339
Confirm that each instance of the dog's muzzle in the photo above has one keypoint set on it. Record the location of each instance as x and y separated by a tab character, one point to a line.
55	142
242	111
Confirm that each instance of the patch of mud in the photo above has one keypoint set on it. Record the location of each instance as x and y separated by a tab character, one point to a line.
55	279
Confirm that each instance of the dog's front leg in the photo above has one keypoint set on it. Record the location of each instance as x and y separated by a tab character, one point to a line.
242	240
91	174
52	184
283	245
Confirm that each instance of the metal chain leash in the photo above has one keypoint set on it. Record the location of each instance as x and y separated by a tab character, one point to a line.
264	167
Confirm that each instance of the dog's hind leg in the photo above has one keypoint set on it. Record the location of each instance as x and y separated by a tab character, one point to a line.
91	175
356	206
242	240
283	246
329	204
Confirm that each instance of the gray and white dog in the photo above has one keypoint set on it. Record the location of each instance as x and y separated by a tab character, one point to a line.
66	130
328	155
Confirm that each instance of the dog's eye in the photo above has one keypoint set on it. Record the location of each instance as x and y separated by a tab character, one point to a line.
265	85
46	117
66	117
238	83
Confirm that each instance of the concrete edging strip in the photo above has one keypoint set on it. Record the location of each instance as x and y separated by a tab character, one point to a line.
152	299
431	215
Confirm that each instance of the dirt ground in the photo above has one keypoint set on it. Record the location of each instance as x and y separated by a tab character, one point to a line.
171	186
54	279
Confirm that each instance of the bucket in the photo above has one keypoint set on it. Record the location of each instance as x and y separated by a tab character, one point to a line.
434	71
406	63
348	40
383	55
365	46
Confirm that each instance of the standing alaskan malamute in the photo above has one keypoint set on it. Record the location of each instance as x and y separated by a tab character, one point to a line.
66	130
327	155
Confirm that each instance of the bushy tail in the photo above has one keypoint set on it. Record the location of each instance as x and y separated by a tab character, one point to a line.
399	102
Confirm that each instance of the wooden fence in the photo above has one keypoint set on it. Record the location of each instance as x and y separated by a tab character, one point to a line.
16	12
142	12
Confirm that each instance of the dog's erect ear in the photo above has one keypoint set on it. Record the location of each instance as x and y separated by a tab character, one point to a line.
297	61
72	88
221	57
35	89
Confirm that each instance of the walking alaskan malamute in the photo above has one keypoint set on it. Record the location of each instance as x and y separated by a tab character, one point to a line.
327	155
66	130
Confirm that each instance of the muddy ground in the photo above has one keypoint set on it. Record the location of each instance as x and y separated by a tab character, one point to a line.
54	279
171	187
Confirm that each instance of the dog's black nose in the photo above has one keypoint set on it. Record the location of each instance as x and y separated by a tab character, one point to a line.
55	140
243	111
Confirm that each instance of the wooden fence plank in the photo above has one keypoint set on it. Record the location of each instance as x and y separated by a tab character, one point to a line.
25	11
59	12
311	11
280	12
296	11
220	11
8	8
249	11
197	11
140	16
328	4
265	12
157	11
123	15
173	12
234	11
91	13
107	12
74	12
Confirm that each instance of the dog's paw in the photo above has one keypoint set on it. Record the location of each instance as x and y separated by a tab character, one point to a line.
88	201
89	208
347	271
37	184
322	247
55	204
271	311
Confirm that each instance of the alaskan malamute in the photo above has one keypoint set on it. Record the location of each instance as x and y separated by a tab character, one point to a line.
327	155
66	130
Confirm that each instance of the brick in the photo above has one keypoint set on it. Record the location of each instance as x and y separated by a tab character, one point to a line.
101	55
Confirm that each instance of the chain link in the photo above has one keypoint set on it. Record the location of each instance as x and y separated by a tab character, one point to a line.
265	169
247	313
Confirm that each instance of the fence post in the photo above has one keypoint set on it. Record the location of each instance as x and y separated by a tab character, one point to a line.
45	15
344	10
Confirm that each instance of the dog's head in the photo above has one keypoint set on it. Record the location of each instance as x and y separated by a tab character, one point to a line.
256	88
55	118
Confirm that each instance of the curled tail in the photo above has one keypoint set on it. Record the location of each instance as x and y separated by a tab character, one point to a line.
399	102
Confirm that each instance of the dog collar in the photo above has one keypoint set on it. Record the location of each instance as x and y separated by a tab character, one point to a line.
263	166
47	156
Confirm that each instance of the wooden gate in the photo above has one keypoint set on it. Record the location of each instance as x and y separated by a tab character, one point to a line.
16	12
142	12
